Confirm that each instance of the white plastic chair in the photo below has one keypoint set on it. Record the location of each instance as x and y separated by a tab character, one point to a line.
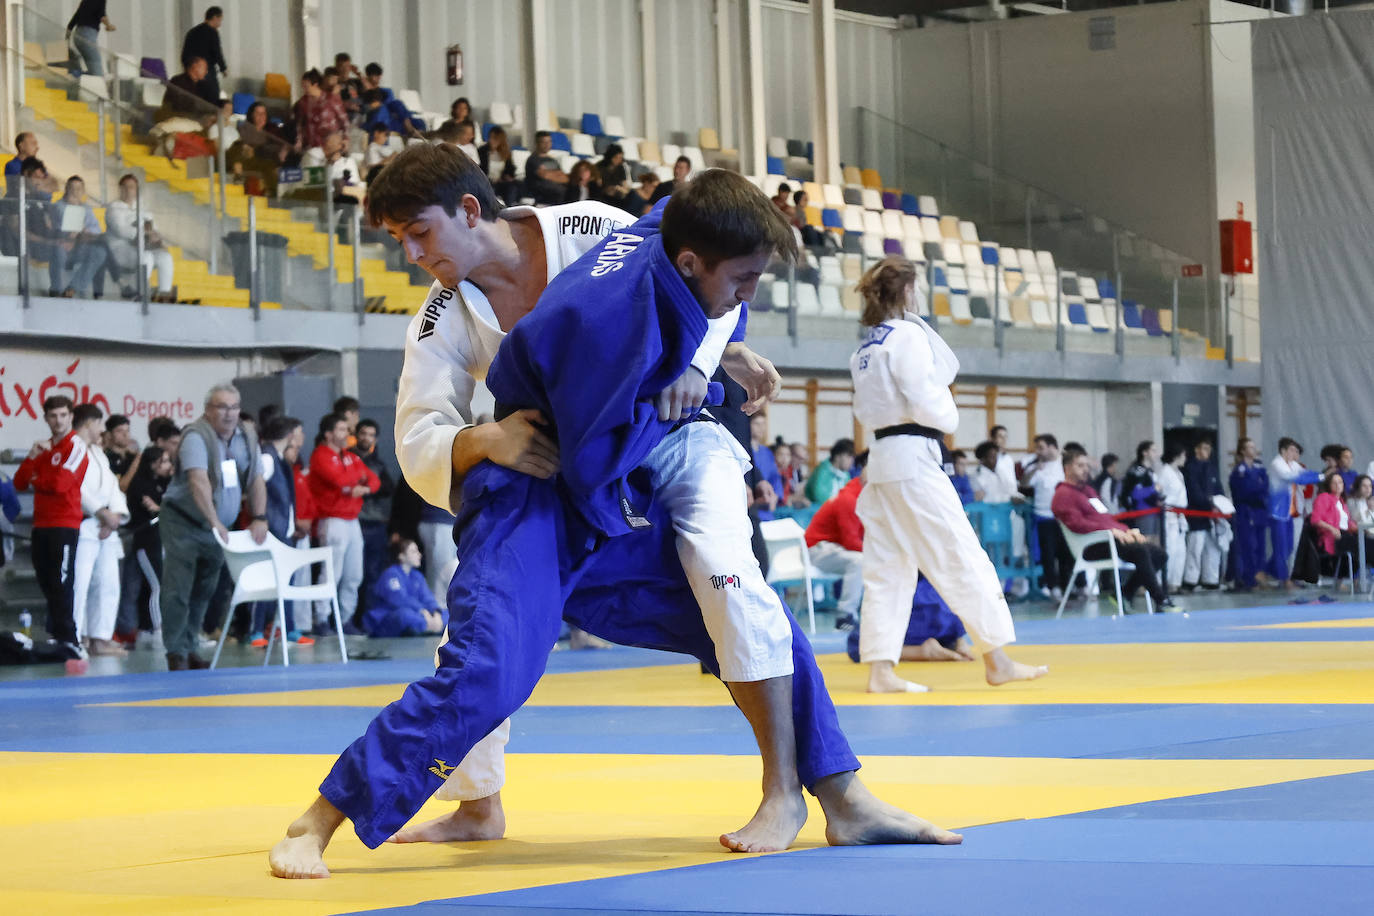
1081	542
262	572
788	561
500	113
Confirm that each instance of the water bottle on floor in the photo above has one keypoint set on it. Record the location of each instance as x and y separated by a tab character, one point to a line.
25	622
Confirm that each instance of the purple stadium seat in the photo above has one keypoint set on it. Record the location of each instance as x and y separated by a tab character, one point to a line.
892	246
892	200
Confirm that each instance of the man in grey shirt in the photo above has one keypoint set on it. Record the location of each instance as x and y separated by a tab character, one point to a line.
219	461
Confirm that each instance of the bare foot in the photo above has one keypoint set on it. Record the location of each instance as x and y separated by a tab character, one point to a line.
854	816
773	828
482	819
581	639
1002	670
300	854
931	651
883	679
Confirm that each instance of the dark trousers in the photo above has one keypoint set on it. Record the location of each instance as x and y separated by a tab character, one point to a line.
191	564
54	561
1148	558
131	587
374	563
1055	560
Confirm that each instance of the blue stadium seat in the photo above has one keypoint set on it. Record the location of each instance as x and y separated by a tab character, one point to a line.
938	277
775	166
991	255
892	246
831	219
242	102
1130	315
1077	313
909	206
561	141
486	130
1105	289
591	124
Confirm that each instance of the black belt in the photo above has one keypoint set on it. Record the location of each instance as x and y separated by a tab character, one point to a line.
909	429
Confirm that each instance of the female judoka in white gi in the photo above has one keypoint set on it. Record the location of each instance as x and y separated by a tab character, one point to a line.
913	520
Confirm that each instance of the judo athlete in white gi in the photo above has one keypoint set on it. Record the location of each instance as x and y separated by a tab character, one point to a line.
1173	494
913	520
509	261
95	579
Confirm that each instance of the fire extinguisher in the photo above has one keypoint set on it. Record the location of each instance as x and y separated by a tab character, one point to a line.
455	65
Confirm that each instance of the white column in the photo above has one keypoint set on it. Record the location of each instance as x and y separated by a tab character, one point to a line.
311	41
825	118
535	69
754	142
648	69
725	90
12	43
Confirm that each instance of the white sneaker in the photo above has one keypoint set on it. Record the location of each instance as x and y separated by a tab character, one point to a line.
1020	588
1056	593
147	640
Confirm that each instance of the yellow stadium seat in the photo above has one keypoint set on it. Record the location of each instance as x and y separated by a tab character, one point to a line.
871	179
852	175
276	86
707	138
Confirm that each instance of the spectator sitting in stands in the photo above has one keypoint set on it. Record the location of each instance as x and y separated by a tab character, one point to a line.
496	160
460	110
26	147
1076	505
258	151
203	41
42	226
458	134
372	79
544	180
811	236
382	145
765	465
121	240
829	476
402	604
636	201
791	493
1361	502
582	183
81	237
317	113
835	544
801	464
350	81
188	105
377	107
341	170
614	176
682	170
959	477
783	201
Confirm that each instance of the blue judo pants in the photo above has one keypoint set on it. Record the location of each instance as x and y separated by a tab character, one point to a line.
1281	540
1247	553
528	559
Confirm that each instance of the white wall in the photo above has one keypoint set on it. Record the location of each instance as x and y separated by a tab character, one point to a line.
599	71
685	60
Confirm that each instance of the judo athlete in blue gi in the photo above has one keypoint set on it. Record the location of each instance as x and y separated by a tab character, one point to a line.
1250	493
610	333
402	603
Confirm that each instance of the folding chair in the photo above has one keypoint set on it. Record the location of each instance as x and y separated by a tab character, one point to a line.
262	572
1081	542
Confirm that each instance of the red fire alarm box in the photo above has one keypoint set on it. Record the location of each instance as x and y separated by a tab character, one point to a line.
1237	254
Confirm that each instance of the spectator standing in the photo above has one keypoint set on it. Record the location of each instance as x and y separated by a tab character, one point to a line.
1073	505
1045	475
121	240
835	544
219	460
1287	477
831	475
496	160
120	448
203	41
1138	490
152	473
282	438
1205	555
682	171
1107	484
1173	494
84	48
402	604
338	482
54	469
434	526
95	589
987	480
376	511
1250	493
317	113
1006	465
765	464
121	453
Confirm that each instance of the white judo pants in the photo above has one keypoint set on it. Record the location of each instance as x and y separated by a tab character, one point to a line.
1204	558
345	538
95	597
917	526
441	557
698	476
1176	546
831	558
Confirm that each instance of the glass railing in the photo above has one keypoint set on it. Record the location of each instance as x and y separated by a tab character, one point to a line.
234	244
1008	265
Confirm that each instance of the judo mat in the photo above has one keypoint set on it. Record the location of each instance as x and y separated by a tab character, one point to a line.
1218	762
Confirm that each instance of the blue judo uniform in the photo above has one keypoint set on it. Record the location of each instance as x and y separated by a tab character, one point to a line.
1250	493
399	598
930	617
588	545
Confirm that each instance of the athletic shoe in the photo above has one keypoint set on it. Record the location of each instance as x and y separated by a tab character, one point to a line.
351	630
176	662
257	641
196	663
71	650
1168	606
300	639
1325	599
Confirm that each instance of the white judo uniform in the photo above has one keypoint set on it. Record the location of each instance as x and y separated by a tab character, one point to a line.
697	471
95	576
1173	493
913	520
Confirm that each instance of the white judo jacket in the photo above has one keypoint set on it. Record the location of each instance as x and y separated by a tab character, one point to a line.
451	342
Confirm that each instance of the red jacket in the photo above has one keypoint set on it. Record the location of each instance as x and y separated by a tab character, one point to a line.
305	504
838	520
1070	505
332	475
55	476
